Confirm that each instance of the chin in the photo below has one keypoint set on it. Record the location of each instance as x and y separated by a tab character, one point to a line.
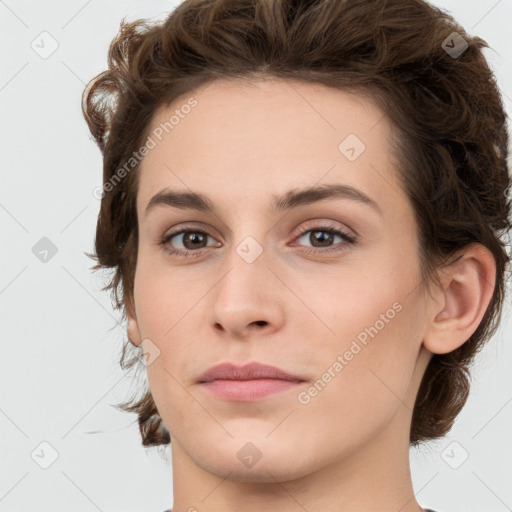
268	471
255	458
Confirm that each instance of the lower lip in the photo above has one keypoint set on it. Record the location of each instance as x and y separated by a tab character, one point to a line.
248	390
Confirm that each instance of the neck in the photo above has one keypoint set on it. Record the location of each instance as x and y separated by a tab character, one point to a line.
374	477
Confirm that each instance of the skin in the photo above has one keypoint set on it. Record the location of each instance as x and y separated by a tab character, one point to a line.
242	143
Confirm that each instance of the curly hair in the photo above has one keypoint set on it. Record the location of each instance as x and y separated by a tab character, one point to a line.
445	107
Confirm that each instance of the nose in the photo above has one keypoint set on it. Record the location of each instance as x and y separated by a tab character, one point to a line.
248	299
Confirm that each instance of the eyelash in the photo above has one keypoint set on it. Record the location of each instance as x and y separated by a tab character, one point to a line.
313	250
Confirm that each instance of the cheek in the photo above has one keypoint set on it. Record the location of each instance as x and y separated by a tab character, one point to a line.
363	299
365	376
375	319
168	310
163	297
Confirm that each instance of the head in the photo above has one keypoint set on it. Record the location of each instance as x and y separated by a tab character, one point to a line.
241	102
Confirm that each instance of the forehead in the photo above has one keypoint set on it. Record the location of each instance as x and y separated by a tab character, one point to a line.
254	139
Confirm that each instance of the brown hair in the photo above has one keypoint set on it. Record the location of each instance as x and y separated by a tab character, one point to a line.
452	143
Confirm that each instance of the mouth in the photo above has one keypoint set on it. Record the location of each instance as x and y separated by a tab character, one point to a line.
248	383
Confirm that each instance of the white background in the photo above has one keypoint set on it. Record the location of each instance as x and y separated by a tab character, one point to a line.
59	370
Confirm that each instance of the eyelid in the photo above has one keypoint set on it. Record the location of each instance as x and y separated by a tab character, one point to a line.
298	231
190	227
320	223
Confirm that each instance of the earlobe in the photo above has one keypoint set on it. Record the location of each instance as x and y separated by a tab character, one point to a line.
468	286
133	326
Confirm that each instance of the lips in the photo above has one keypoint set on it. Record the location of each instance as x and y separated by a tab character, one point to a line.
251	371
249	383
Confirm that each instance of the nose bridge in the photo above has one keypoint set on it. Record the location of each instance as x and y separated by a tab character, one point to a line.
248	243
243	296
245	262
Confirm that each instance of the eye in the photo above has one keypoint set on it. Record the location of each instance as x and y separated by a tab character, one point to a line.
193	241
324	236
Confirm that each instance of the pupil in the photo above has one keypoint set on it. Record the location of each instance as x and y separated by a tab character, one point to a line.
319	237
193	237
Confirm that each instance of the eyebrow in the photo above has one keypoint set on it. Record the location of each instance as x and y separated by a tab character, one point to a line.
289	200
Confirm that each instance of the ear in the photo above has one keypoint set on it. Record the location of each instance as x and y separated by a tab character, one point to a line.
133	327
467	288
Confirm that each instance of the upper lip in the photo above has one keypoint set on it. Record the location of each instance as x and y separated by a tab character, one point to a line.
251	371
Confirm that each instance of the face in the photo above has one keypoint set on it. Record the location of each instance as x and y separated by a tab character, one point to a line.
323	285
